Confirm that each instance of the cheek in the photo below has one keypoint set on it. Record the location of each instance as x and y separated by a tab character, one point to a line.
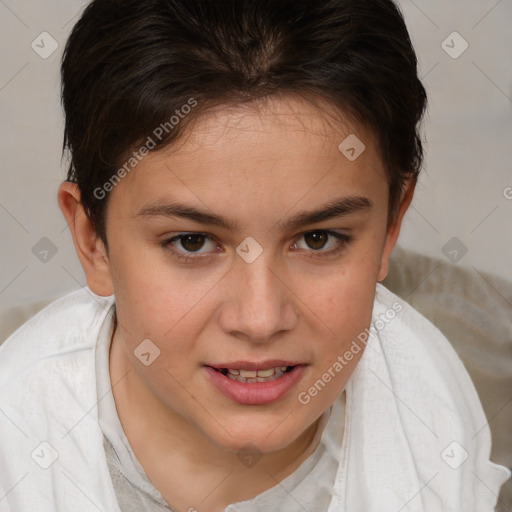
153	295
343	299
150	309
337	344
342	311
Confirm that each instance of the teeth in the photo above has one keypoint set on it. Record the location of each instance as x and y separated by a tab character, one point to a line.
266	373
248	373
248	376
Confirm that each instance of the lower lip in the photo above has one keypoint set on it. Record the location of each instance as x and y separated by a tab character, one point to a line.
255	393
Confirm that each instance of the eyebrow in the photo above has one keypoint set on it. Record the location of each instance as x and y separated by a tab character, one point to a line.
336	208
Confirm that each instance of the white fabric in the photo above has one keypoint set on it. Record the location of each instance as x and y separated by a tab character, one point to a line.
407	401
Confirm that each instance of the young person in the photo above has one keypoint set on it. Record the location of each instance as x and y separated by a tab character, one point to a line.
239	173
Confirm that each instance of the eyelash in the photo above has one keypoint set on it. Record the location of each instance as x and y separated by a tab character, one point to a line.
343	240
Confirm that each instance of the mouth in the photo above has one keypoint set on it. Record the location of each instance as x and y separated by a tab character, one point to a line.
252	383
248	376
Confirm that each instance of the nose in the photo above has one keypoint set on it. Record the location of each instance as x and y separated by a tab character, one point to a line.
260	306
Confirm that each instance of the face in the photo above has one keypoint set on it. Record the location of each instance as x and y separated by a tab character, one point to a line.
254	245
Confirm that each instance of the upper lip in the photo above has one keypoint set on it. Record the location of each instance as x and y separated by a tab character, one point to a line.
254	365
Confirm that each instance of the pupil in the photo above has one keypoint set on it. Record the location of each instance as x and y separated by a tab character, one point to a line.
317	239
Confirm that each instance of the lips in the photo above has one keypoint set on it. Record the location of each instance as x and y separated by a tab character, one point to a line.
255	383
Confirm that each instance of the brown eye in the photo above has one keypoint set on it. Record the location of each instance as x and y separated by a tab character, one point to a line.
190	246
192	242
322	243
316	239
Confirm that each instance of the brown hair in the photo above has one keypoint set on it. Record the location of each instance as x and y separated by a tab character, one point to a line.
130	66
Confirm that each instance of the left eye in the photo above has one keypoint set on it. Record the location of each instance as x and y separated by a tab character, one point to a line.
318	239
331	241
191	242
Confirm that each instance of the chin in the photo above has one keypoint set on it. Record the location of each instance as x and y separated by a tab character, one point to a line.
248	434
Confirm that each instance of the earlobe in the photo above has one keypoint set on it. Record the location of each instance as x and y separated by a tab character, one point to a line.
88	245
394	229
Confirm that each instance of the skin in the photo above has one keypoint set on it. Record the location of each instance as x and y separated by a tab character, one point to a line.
257	167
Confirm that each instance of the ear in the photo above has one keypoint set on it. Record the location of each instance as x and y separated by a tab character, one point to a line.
394	228
88	245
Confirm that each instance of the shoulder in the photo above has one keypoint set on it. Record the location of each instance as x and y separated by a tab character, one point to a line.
48	423
436	401
396	321
417	350
64	329
47	366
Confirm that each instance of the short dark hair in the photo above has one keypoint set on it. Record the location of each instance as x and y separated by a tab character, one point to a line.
129	66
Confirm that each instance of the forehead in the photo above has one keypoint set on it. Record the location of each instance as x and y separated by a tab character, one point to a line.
273	123
276	147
